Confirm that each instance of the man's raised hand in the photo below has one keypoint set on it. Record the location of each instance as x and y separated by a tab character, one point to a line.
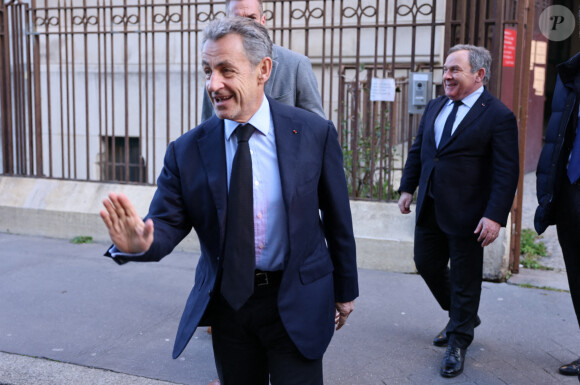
127	230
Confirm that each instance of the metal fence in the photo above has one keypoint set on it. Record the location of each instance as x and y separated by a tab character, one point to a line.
96	89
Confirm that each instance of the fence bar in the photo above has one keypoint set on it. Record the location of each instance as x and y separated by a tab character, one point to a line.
523	54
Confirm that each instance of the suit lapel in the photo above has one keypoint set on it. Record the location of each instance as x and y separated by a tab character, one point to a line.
480	105
439	104
287	146
213	156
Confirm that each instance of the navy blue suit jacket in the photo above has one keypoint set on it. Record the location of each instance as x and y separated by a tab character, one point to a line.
475	174
321	268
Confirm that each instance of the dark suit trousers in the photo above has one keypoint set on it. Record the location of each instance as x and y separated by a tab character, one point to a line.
568	227
252	347
456	287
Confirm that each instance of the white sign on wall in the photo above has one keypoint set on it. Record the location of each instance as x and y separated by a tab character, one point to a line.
383	90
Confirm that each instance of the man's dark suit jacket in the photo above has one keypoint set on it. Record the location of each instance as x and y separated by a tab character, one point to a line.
475	174
321	266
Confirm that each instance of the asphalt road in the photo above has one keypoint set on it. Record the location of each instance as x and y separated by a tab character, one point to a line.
68	315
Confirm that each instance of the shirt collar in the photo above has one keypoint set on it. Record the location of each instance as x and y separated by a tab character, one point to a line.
260	120
470	99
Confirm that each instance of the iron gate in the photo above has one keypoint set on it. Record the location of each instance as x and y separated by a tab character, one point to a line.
95	89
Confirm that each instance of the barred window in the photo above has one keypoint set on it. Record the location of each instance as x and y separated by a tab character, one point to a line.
123	160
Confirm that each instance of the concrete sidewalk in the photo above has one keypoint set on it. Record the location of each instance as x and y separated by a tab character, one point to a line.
70	316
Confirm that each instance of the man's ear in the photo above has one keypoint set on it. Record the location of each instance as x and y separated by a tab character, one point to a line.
479	75
264	70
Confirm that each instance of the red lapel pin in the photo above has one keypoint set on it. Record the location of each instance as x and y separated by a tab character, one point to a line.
294	131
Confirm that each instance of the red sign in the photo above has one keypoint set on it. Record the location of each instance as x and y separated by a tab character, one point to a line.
509	47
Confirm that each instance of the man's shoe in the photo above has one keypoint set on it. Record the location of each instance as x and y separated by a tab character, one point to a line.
453	361
571	369
442	339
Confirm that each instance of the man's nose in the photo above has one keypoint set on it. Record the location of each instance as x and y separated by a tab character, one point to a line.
213	83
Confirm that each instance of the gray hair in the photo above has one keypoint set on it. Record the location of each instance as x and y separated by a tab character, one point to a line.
257	42
260	7
479	57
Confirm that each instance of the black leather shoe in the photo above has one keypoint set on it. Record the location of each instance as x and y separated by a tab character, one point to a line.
571	369
442	339
453	361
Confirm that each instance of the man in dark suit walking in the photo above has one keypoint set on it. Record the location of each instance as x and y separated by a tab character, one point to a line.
263	186
465	162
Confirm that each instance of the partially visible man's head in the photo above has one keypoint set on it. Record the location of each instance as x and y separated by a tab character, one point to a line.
466	68
256	41
251	9
236	61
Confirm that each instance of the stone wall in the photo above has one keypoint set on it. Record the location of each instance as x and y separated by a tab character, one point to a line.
66	209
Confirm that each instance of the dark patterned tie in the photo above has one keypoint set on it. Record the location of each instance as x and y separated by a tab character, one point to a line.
239	255
449	123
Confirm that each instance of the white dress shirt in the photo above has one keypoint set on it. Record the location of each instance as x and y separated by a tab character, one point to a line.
463	109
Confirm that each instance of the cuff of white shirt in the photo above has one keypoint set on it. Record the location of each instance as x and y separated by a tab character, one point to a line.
114	252
120	257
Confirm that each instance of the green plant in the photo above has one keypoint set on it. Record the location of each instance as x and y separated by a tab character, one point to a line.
364	148
529	246
82	239
531	250
531	262
530	286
